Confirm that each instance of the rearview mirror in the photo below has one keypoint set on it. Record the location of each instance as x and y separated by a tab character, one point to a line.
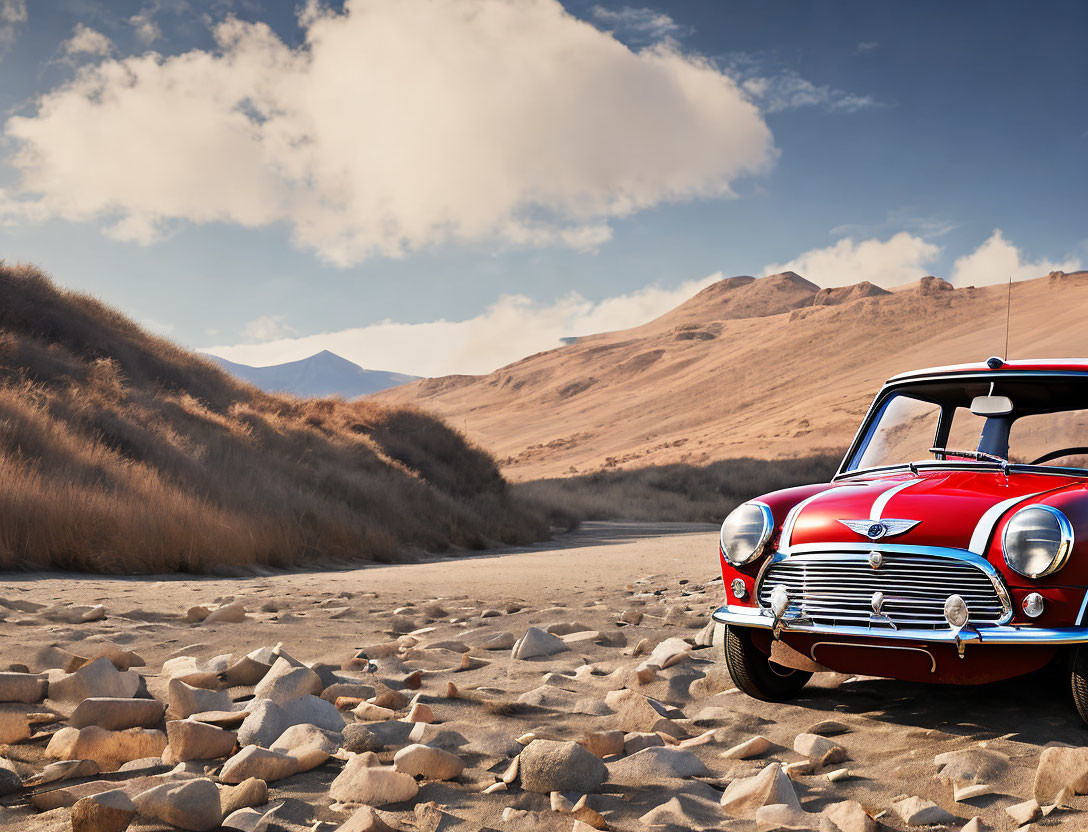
991	405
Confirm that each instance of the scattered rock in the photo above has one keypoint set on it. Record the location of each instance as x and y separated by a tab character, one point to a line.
191	740
604	743
1025	812
361	782
754	747
250	792
228	614
308	744
819	750
428	763
537	643
552	766
917	811
285	681
110	811
365	819
358	738
22	687
107	748
260	763
97	679
190	804
1061	768
655	766
747	794
117	714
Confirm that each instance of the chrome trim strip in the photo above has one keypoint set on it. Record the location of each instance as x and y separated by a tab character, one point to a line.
997	634
922	650
1083	607
881	502
829	550
980	537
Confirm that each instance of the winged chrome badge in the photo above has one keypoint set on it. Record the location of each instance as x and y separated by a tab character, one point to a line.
876	529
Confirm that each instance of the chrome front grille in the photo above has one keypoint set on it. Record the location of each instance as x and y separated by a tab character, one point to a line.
837	588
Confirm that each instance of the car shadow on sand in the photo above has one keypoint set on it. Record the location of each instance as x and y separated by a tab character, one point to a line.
1035	709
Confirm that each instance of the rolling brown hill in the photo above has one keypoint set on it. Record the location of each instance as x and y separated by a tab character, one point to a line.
122	452
772	367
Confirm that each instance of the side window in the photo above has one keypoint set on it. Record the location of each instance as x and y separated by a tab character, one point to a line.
904	432
1033	436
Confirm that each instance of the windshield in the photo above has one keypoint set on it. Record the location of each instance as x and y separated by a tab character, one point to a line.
1048	424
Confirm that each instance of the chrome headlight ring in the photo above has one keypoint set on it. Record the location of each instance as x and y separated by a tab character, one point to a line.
1040	527
745	532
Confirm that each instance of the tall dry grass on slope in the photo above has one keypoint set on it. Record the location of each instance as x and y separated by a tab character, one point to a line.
121	452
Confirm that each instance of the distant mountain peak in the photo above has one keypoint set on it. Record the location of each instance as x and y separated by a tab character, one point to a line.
322	374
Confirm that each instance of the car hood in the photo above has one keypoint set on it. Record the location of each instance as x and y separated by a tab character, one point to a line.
954	508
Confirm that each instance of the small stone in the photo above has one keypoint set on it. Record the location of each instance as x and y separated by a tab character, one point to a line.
917	811
360	782
365	819
754	747
366	712
632	617
22	687
428	763
827	728
655	767
308	744
604	743
186	700
190	804
285	681
511	772
420	712
359	738
1025	812
781	817
559	803
194	615
548	766
116	714
1061	768
250	792
970	790
819	750
110	811
261	763
355	691
638	740
228	614
192	740
838	775
745	795
848	816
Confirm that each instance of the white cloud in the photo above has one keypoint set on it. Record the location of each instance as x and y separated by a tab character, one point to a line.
642	23
867	46
86	41
146	28
12	13
997	259
394	126
789	91
510	329
268	328
901	258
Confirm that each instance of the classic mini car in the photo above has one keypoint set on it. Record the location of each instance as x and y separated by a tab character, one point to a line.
951	546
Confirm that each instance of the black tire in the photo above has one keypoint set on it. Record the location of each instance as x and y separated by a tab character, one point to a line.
754	672
1078	680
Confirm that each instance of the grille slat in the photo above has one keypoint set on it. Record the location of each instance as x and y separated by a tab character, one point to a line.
837	588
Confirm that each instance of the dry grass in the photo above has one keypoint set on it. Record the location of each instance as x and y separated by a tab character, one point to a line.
690	493
121	452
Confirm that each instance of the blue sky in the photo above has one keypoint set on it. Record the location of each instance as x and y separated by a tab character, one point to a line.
481	185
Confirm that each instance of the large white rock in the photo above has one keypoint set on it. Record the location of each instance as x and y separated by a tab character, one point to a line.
656	766
373	785
428	763
308	744
260	763
917	811
97	679
117	714
286	681
552	766
1061	769
107	748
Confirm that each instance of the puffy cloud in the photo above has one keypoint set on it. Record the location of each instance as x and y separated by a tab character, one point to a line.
997	259
147	30
268	328
394	126
86	41
901	258
511	328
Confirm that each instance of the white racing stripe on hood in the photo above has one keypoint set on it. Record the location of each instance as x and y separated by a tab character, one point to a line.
981	536
881	502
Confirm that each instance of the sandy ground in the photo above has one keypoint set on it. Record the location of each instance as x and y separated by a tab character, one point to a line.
583	580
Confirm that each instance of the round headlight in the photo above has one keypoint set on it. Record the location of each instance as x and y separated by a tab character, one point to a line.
745	532
1037	541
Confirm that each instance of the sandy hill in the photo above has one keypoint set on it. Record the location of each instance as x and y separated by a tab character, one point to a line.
774	367
121	452
322	374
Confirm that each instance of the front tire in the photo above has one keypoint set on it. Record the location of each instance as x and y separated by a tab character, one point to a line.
755	674
1078	680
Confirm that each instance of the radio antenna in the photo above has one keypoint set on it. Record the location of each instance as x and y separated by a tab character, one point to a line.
1008	318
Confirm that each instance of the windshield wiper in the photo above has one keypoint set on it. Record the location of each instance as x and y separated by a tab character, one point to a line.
980	456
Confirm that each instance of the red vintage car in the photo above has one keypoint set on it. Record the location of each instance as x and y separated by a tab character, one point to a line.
951	546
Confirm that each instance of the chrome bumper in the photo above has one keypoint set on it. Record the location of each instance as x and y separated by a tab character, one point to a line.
995	634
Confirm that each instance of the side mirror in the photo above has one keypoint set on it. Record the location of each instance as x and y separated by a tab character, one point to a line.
991	405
